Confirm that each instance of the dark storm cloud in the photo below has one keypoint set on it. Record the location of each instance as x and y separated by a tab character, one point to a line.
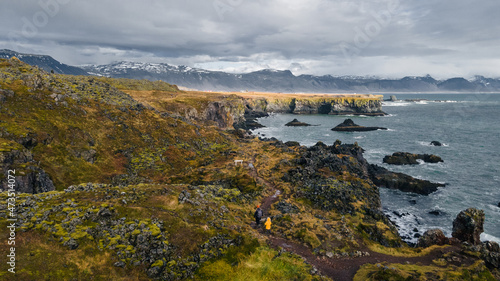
385	37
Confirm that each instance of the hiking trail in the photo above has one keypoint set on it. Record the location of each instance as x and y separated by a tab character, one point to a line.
338	269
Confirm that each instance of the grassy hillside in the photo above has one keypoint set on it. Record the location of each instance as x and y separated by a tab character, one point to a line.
146	189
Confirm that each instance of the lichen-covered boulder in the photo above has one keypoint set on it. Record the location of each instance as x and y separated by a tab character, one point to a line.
490	253
432	237
468	226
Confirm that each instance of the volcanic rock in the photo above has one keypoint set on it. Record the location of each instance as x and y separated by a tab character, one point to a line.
292	143
432	237
296	123
33	179
406	158
349	126
249	121
436	213
436	143
490	253
468	226
385	178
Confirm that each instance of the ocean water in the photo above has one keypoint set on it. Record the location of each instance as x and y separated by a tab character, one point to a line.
467	124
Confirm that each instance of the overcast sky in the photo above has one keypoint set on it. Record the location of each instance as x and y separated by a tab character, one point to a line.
388	38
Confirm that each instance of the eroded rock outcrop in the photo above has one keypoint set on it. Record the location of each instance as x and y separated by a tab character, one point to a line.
406	158
490	253
29	177
468	226
385	178
432	237
333	192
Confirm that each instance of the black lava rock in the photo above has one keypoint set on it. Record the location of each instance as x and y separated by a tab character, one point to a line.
349	126
468	226
385	178
436	143
296	123
406	158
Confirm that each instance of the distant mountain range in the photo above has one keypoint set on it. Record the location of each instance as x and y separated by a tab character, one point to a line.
46	63
267	80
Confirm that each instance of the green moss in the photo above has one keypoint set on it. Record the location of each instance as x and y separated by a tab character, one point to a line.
158	263
155	230
114	240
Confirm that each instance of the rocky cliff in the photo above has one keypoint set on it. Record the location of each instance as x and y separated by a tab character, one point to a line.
318	104
228	110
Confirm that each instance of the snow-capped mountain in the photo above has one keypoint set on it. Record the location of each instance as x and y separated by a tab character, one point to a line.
121	68
272	80
266	80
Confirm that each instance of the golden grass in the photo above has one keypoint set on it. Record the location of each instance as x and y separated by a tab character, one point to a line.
396	271
262	265
406	252
41	258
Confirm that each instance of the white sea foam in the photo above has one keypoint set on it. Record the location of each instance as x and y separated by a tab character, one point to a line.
406	223
422	102
396	103
379	151
424	143
487	237
428	143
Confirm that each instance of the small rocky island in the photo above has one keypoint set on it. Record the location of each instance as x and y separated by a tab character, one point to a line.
406	158
349	126
297	123
436	143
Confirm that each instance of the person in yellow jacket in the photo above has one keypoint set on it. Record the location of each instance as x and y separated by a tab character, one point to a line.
268	224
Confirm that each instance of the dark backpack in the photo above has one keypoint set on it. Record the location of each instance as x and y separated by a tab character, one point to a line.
258	213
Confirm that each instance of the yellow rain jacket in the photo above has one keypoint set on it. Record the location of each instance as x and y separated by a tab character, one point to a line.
268	223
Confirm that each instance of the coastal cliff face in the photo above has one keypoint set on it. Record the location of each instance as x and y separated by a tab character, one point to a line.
227	110
356	105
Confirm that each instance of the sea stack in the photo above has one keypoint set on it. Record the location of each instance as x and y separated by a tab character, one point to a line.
468	226
349	126
296	123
